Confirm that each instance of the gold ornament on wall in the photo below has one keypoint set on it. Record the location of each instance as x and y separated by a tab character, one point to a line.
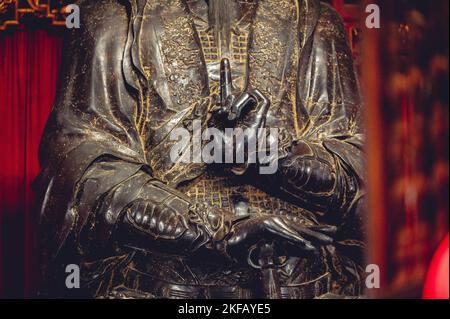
13	12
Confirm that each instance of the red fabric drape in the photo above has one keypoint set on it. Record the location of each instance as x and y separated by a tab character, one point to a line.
29	63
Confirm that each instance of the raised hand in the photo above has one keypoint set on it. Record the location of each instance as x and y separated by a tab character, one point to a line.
234	106
244	110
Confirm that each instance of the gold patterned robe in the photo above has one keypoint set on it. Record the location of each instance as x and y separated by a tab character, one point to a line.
136	71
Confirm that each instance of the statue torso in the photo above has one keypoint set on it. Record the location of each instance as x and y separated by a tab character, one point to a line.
180	51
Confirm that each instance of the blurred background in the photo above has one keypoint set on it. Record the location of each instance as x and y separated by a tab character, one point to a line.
403	68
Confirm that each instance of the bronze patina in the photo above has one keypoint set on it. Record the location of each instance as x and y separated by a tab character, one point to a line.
143	226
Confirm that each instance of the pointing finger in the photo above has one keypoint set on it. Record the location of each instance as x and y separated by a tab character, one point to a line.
226	81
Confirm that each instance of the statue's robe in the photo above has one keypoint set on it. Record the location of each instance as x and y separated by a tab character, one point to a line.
116	103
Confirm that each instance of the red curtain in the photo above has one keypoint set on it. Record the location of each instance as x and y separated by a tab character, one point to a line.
29	62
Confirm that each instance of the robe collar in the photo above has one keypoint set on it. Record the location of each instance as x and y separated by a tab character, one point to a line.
132	68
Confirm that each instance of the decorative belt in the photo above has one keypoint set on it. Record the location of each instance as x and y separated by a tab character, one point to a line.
140	282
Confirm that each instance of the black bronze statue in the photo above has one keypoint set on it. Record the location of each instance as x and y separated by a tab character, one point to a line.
143	226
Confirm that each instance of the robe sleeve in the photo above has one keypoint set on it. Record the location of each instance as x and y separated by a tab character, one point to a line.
332	111
331	107
331	103
91	153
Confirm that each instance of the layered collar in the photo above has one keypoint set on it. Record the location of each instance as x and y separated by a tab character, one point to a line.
308	17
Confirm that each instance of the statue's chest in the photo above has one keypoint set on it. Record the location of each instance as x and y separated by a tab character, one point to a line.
180	51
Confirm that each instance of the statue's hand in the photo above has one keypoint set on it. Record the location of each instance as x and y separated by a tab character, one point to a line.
308	172
288	236
244	110
234	106
176	225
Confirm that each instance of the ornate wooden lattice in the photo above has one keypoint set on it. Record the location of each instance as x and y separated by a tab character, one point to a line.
13	12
